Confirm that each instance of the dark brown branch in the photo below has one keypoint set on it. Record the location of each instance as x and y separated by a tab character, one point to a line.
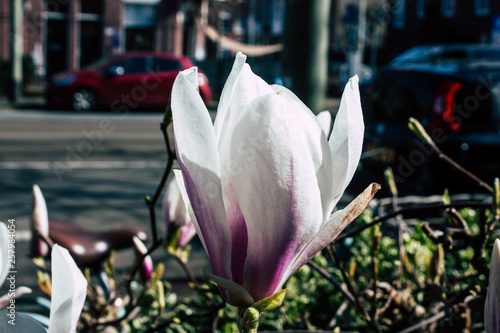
410	210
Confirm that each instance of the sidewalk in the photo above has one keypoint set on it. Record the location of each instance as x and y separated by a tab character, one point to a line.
24	102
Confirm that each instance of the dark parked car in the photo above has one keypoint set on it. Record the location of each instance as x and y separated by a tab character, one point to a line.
454	91
122	82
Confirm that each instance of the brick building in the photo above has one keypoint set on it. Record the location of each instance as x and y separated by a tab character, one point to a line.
416	22
69	34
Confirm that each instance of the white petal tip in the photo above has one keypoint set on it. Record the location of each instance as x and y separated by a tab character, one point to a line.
240	56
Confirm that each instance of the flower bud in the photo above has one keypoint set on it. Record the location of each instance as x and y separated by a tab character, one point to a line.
417	128
39	224
180	228
147	262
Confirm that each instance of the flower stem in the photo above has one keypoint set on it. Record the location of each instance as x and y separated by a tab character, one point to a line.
248	320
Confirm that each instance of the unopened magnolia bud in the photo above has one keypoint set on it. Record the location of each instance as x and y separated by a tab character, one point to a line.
147	263
39	224
389	177
417	128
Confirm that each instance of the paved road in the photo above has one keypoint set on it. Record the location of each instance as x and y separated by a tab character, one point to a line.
94	170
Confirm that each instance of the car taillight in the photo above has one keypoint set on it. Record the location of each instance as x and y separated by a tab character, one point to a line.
443	107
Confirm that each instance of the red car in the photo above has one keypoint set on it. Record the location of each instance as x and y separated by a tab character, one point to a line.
122	82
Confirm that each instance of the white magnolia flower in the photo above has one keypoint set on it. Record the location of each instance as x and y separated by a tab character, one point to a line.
262	182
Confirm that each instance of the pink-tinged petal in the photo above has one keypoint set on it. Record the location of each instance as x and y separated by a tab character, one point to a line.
244	86
278	148
326	175
214	236
185	199
325	121
176	214
187	233
147	263
346	140
69	288
4	249
492	305
40	224
338	222
198	157
227	93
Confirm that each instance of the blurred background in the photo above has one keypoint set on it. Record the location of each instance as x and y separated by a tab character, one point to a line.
436	60
39	38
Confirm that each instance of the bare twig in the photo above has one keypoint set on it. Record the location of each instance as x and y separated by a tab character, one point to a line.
338	313
412	210
188	271
330	278
424	323
372	322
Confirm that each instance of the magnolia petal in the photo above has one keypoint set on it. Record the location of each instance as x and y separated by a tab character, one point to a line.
277	150
199	160
325	121
346	140
187	203
235	293
69	288
326	177
40	224
492	305
4	249
246	88
227	93
339	220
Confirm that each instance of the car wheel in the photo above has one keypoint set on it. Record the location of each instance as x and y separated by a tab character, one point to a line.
84	100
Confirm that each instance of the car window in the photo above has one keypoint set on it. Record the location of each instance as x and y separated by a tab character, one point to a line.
166	65
451	55
99	62
135	65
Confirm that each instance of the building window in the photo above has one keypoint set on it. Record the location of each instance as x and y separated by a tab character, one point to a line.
399	12
420	9
481	7
448	8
